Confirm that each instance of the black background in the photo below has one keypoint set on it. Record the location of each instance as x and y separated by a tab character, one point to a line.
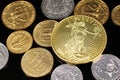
13	70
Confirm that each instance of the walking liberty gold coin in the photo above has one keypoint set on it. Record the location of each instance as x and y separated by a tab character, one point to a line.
18	15
42	32
37	62
115	15
94	8
19	41
78	39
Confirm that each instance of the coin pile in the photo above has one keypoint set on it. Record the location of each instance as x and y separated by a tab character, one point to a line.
77	38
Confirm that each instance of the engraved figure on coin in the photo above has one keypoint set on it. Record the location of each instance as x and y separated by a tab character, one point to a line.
1	56
19	14
76	45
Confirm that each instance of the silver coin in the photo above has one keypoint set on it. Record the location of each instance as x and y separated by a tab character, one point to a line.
4	55
106	68
67	72
57	9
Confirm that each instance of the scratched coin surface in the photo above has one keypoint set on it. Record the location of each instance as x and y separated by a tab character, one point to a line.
94	8
37	62
42	32
78	39
67	72
18	15
57	9
4	55
19	41
115	15
106	68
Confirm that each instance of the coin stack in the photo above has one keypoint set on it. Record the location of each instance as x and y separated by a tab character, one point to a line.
71	35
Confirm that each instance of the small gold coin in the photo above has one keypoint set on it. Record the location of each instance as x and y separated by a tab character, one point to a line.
19	41
18	15
78	39
37	62
93	8
115	15
42	32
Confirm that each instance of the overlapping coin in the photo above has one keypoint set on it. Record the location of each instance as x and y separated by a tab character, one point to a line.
4	55
37	62
78	39
106	68
67	72
19	41
115	15
18	15
42	32
57	9
97	9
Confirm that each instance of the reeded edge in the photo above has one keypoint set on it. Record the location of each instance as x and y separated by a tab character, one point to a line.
67	61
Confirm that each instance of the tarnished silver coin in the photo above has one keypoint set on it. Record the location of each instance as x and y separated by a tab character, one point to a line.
67	72
107	67
4	55
57	9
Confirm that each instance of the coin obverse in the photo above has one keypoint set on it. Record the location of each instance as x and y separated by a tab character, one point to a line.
18	15
115	15
4	55
19	41
106	68
66	72
42	32
78	39
57	9
37	62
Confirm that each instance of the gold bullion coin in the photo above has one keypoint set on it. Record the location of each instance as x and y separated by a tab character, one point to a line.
115	15
37	62
78	39
42	32
18	15
19	41
93	8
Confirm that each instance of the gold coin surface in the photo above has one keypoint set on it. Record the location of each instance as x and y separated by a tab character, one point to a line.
115	15
78	39
37	62
42	32
93	8
18	15
19	41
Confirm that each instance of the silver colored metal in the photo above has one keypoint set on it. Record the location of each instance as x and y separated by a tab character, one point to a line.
57	9
67	72
106	68
4	55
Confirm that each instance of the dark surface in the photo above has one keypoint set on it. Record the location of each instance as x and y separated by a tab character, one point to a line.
13	70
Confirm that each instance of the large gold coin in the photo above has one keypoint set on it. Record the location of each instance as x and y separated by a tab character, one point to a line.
115	15
93	8
19	41
42	32
78	39
18	15
37	62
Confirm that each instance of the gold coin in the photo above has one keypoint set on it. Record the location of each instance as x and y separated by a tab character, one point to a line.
37	62
115	15
19	41
18	15
42	32
93	8
78	39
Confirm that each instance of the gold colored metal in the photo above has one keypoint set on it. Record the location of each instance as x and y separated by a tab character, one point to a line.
37	62
93	8
19	41
115	15
18	15
78	39
42	32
